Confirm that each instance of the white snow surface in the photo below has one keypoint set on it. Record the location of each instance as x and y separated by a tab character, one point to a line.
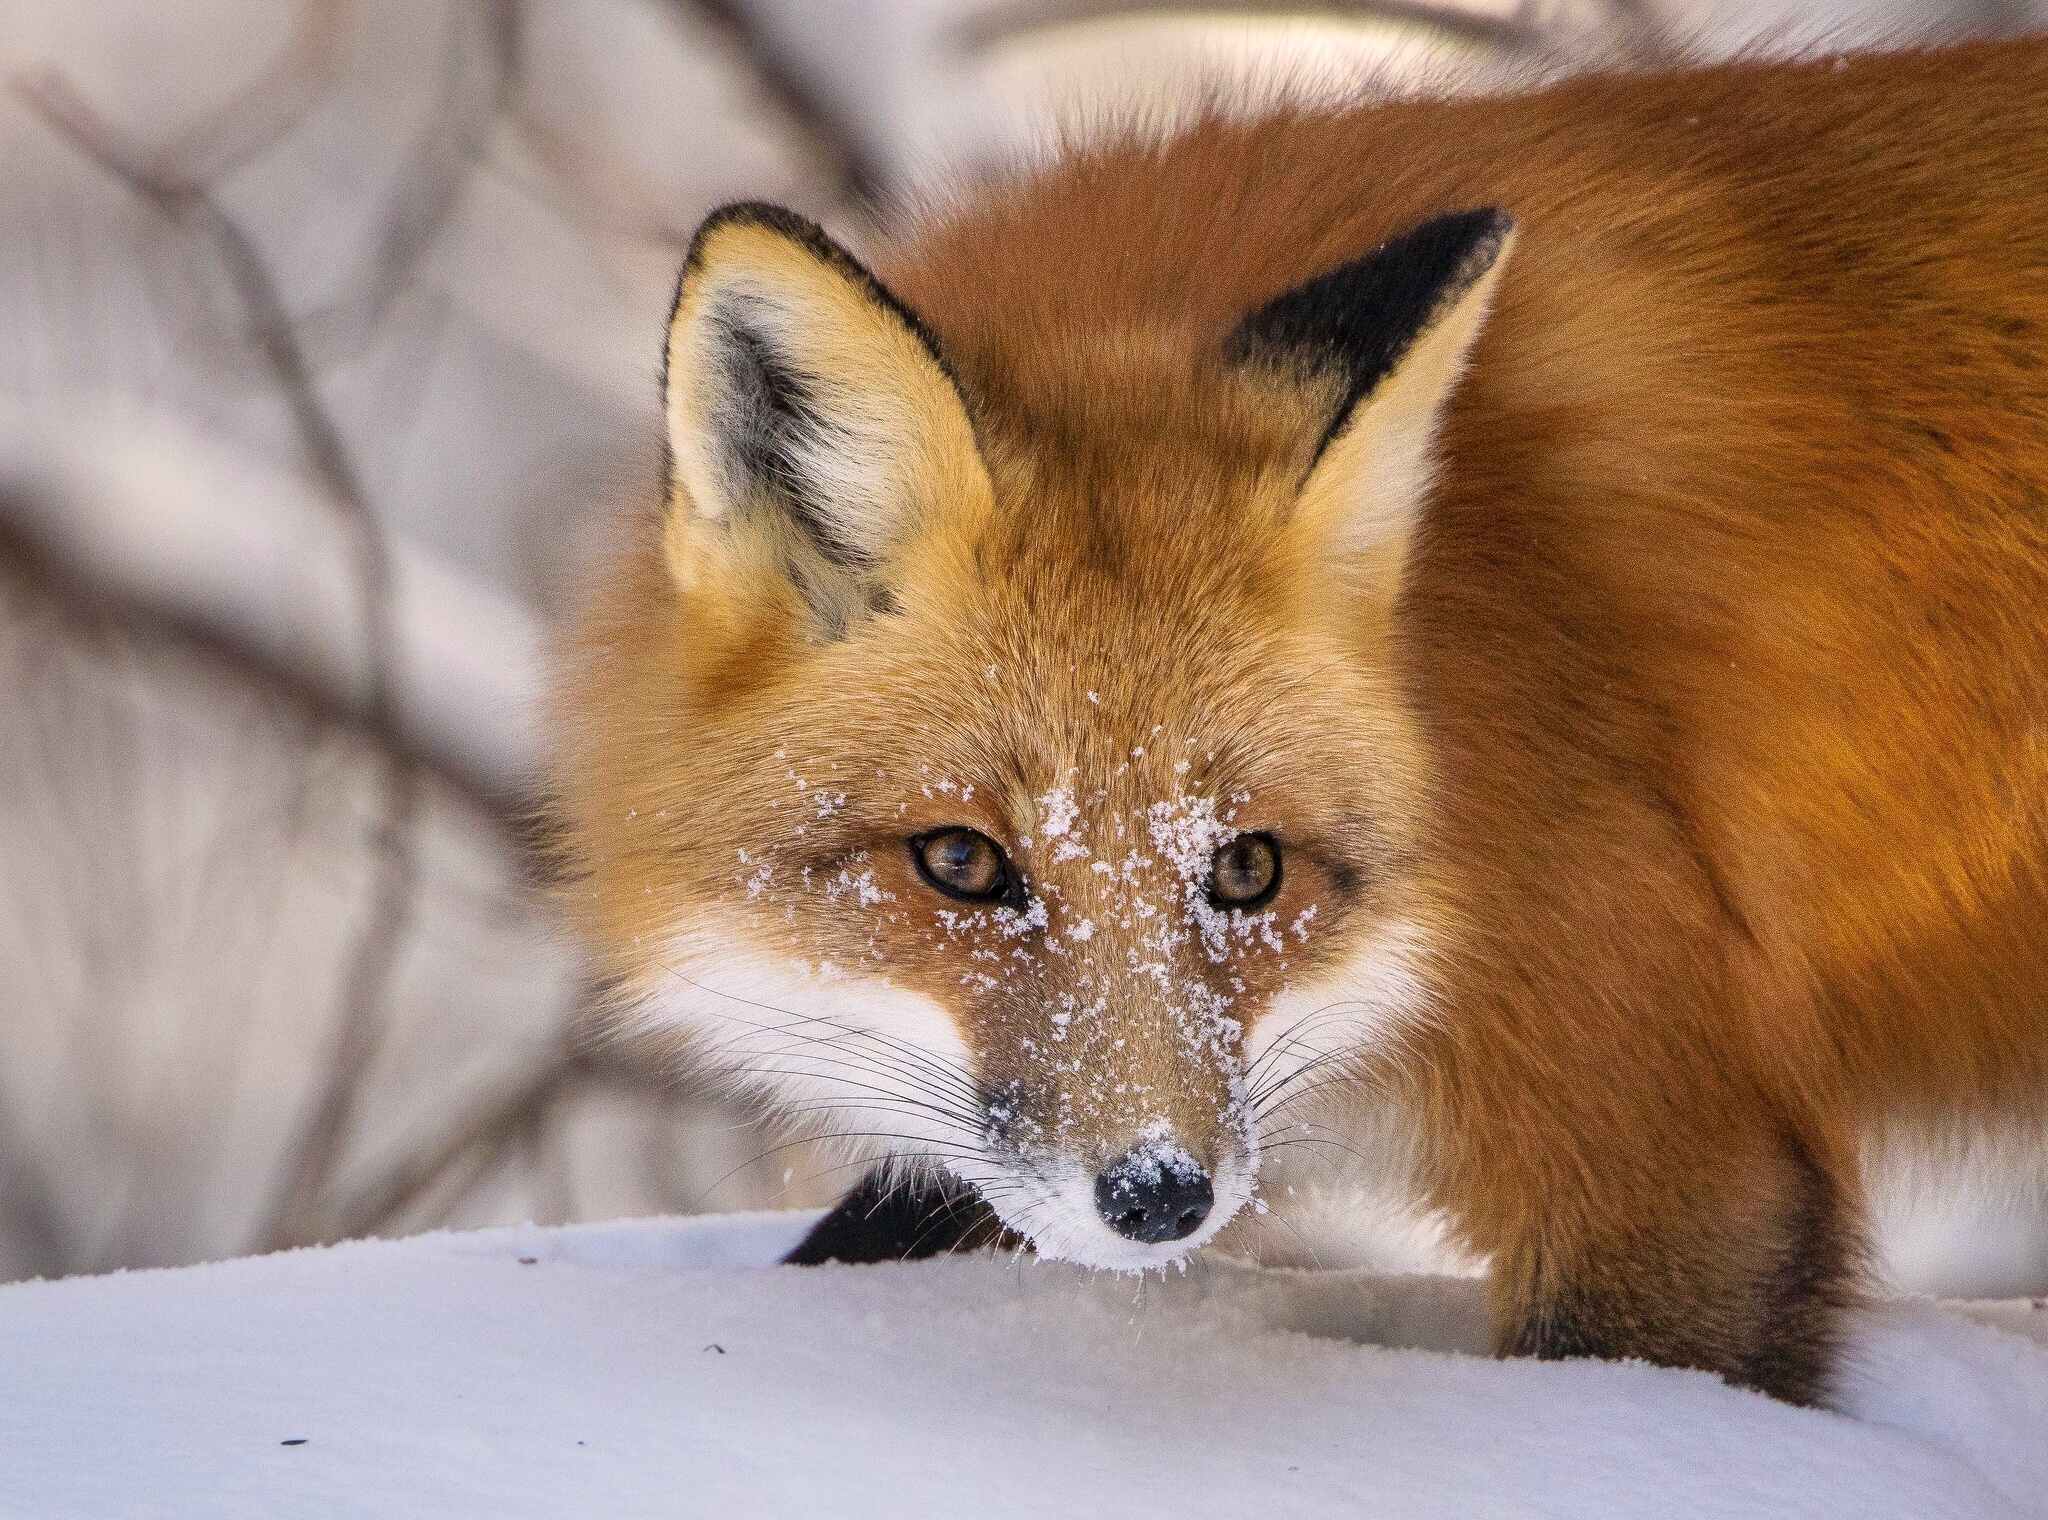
660	1368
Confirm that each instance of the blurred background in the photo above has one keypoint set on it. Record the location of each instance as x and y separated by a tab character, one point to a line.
328	341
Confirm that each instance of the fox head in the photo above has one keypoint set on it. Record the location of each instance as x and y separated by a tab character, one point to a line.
1006	764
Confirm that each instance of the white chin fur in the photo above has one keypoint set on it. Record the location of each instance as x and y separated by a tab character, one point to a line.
1054	1208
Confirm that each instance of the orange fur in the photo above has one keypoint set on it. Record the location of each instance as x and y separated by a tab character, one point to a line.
1703	737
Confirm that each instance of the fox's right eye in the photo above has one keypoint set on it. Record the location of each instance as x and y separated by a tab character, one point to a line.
964	863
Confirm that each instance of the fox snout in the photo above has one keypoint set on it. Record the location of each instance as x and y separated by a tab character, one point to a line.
1122	1192
1147	1206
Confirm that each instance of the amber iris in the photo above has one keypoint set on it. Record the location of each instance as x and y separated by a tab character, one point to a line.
1245	873
964	863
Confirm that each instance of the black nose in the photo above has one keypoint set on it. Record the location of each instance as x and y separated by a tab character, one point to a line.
1153	1195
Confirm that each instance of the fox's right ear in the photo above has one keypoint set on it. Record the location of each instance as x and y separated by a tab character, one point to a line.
811	420
1385	338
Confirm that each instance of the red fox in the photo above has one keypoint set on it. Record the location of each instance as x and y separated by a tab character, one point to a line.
1528	614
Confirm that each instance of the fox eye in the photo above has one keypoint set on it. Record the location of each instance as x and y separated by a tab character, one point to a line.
1245	873
964	863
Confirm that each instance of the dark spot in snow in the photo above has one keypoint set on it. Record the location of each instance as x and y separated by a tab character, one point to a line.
527	1261
294	1441
714	1346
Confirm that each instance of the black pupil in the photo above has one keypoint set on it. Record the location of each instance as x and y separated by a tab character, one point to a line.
1244	869
964	861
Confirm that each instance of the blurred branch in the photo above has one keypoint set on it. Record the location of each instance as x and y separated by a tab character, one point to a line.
480	1141
23	560
372	963
576	183
278	100
1641	34
859	173
465	1155
1526	26
1997	18
476	85
475	80
32	1223
1516	29
31	1217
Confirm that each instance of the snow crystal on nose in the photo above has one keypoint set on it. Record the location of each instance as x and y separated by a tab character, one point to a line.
1157	1157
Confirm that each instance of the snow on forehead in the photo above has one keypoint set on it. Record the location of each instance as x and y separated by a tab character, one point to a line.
1159	898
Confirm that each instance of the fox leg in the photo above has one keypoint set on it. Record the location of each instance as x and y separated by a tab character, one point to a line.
1738	1260
888	1220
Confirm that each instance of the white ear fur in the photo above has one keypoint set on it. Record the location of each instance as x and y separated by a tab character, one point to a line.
1367	490
805	405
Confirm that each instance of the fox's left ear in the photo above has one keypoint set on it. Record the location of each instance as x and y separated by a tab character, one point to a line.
811	420
1388	334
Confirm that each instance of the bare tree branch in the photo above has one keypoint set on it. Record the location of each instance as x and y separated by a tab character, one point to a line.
296	80
35	594
476	84
468	1150
31	1216
984	29
859	172
372	964
1528	28
476	89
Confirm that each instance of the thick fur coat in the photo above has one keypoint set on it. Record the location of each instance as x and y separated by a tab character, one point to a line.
1642	675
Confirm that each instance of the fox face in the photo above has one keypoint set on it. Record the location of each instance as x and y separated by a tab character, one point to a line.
1008	770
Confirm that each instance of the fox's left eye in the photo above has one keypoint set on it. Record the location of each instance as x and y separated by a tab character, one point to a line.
1245	873
964	863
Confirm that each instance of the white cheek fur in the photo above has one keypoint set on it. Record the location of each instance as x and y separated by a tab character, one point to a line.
1367	1008
886	1068
878	1064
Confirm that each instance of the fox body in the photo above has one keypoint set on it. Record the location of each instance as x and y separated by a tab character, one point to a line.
1521	614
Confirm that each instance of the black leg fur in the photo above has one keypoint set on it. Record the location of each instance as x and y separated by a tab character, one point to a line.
1765	1314
884	1221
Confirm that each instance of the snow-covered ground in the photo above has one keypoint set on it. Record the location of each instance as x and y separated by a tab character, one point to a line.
655	1368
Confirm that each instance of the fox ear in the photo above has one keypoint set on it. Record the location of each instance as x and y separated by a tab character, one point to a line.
1388	333
811	420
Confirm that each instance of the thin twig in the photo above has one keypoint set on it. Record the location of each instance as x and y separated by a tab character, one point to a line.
31	1214
1518	30
1529	28
24	562
428	187
71	615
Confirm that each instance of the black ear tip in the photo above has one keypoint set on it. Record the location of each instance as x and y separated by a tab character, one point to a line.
1472	238
1362	316
1500	225
790	224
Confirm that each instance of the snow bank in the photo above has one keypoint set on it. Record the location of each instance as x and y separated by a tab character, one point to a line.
652	1368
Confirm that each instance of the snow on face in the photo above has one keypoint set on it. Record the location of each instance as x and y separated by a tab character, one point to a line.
1103	1013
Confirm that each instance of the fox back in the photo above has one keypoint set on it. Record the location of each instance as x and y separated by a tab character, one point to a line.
1523	614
